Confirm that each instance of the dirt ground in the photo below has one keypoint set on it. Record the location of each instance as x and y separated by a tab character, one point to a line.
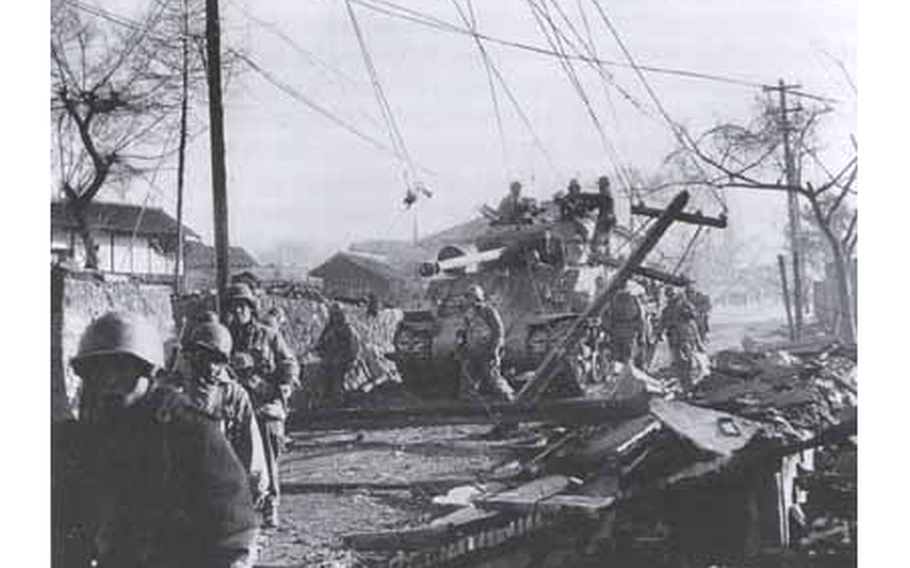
314	519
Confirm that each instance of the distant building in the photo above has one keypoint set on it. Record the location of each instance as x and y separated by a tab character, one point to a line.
131	239
200	264
355	276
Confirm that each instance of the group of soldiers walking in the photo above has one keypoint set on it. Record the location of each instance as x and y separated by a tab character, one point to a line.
174	465
628	333
681	318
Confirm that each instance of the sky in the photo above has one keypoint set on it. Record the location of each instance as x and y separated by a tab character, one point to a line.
294	176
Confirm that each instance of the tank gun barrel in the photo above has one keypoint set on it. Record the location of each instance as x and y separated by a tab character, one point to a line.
428	269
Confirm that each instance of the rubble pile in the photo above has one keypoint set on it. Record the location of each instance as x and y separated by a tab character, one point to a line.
753	464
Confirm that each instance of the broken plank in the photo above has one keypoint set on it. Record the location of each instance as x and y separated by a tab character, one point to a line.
434	534
575	411
403	539
522	499
588	505
424	485
608	442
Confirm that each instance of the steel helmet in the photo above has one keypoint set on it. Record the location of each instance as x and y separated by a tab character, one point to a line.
275	317
212	337
241	293
475	292
120	333
242	360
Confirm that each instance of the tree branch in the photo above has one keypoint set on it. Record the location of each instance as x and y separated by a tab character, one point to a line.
850	228
836	179
840	198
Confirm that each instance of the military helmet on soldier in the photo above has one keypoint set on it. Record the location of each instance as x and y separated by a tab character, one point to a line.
119	333
213	338
241	293
475	293
242	361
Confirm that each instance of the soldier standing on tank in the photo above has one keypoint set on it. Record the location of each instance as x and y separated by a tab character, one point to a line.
677	321
213	391
483	342
606	218
514	208
277	367
337	347
143	479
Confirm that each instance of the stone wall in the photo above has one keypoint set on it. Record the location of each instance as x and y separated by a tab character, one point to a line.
76	300
305	320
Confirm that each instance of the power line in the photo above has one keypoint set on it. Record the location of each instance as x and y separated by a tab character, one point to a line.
608	145
678	133
312	105
330	72
394	133
400	12
535	139
540	14
489	73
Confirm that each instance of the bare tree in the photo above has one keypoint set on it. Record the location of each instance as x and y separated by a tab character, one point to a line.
115	97
741	155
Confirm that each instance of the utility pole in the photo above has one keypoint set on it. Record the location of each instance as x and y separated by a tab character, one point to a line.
792	205
181	155
216	130
782	266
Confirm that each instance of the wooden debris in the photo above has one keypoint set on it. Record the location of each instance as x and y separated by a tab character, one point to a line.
440	485
611	442
710	430
587	505
567	411
524	498
437	533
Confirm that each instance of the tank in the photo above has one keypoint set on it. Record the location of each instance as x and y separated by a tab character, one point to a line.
535	272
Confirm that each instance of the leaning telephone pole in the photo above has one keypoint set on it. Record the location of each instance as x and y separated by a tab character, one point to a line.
216	130
792	205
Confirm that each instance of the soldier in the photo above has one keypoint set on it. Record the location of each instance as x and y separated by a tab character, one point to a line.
143	479
212	390
606	218
574	204
275	318
337	347
678	322
627	326
702	304
513	208
483	339
277	368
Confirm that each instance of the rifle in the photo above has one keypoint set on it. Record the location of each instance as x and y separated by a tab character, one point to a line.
170	368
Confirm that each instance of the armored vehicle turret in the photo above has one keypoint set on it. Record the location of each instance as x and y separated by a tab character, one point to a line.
536	272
